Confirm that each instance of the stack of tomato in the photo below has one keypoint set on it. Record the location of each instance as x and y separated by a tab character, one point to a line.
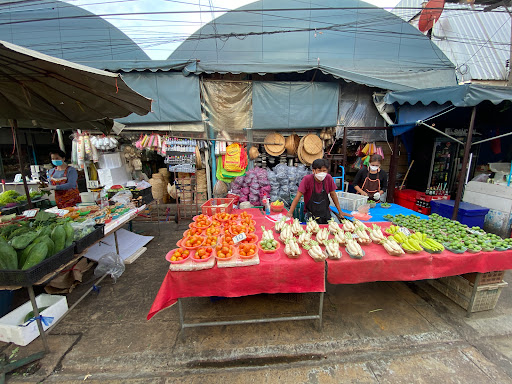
213	231
224	251
202	222
193	241
228	240
211	241
203	253
222	216
245	215
251	239
247	251
193	231
180	254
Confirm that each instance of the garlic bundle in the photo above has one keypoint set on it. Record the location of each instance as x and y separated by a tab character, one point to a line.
296	227
333	226
339	236
322	235
312	226
280	225
348	226
333	249
354	250
376	234
267	234
304	237
392	247
315	251
292	249
286	233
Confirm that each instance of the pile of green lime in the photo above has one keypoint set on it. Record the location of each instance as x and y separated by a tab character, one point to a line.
268	245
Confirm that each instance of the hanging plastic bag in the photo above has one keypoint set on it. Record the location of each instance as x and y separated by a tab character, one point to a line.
110	264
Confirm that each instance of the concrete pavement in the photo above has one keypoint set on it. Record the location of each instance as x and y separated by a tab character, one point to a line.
384	332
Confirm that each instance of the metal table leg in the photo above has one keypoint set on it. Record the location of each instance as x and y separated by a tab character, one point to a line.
320	311
38	320
117	245
180	307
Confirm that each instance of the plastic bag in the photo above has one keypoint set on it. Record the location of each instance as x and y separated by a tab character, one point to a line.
123	197
82	229
110	264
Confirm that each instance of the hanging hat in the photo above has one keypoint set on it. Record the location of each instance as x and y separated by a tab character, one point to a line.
313	144
292	144
254	153
276	144
306	158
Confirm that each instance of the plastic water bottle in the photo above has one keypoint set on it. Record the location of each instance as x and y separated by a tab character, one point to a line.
266	203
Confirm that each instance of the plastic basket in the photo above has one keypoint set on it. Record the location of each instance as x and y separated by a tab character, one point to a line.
32	275
88	240
214	206
459	290
494	277
350	201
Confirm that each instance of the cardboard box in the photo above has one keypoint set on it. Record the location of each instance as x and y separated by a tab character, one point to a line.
113	176
12	332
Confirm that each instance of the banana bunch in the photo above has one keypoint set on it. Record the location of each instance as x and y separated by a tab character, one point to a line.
376	234
432	245
304	237
418	236
312	226
315	251
286	233
392	247
394	229
339	236
267	234
296	227
353	248
280	225
322	235
333	226
362	235
333	249
348	226
292	249
399	237
412	245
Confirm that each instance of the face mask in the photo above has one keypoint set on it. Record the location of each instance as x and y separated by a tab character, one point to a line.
374	168
321	176
57	162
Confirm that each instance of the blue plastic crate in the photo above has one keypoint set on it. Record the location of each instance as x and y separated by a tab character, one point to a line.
469	214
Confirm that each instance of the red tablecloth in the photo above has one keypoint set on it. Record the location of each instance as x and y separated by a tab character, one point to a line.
377	265
275	274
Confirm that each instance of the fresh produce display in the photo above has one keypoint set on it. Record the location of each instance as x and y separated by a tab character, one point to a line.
412	245
339	236
194	231
431	245
292	248
277	206
280	224
376	234
455	247
392	247
296	226
250	239
393	229
222	216
348	226
8	197
247	250
224	252
245	215
333	249
180	254
312	226
211	241
227	240
362	235
267	234
353	248
304	237
333	226
193	241
203	253
203	222
315	251
385	205
322	236
286	233
268	244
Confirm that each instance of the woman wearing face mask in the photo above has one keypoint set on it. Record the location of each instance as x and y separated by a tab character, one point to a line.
371	180
316	189
63	180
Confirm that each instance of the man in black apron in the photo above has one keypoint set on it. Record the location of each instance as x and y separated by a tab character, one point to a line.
316	189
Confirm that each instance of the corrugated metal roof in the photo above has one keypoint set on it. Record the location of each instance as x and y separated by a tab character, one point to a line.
478	43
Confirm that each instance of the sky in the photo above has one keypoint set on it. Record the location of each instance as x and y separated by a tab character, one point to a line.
160	35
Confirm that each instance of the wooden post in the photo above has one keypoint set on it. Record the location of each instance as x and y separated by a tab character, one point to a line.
345	148
393	166
462	176
21	163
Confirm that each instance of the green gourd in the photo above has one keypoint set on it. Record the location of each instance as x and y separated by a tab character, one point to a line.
69	234
37	254
59	238
18	232
23	254
49	242
23	241
8	257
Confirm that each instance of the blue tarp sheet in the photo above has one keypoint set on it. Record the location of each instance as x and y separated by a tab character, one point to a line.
377	213
279	104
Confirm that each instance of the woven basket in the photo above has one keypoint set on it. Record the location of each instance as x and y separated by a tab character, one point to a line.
201	180
304	157
159	188
253	153
292	144
277	146
313	144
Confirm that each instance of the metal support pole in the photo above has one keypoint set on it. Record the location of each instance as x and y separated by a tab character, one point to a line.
467	149
320	311
345	147
393	167
38	320
180	307
117	245
21	163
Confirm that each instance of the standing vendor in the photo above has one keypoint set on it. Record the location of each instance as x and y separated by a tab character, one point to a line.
63	180
316	189
372	180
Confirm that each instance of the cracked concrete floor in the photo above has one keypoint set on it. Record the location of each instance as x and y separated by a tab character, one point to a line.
383	332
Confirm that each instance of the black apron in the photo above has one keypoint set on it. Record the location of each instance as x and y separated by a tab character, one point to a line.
318	205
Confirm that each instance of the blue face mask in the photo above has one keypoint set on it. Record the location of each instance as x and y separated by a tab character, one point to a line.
57	162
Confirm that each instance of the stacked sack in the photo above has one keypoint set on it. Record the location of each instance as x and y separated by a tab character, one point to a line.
252	187
285	180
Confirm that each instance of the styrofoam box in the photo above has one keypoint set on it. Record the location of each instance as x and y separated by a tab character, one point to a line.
110	160
10	330
110	177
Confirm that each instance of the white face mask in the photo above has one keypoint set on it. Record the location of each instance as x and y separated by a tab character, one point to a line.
321	176
374	168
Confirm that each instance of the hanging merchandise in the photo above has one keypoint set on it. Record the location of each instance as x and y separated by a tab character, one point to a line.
81	151
103	142
252	187
253	153
235	159
285	180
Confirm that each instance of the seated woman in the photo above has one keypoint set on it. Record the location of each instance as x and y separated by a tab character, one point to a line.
372	180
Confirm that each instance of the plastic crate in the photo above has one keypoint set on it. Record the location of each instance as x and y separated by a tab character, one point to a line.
88	240
19	278
469	214
350	201
459	290
494	277
406	198
213	206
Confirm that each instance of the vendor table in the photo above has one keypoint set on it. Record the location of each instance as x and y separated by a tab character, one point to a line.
378	213
276	273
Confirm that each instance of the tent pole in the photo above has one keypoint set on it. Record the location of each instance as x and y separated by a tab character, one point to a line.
21	163
345	147
393	166
61	140
462	176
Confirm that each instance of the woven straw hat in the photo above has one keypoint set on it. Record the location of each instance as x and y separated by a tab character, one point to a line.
277	148
253	153
292	144
306	158
313	144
